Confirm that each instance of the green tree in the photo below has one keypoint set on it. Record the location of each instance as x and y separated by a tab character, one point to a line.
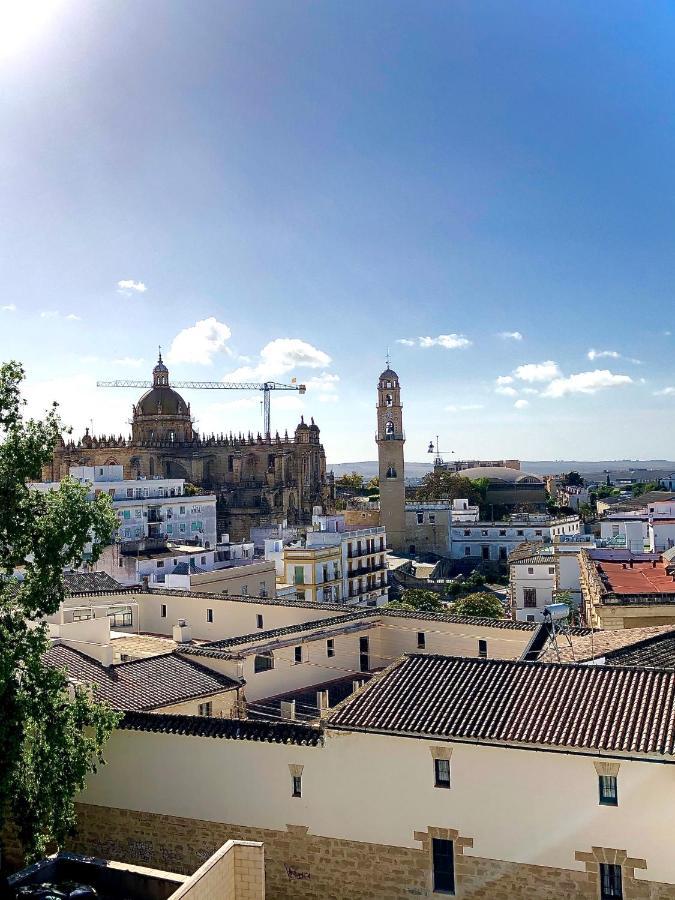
50	737
374	485
443	485
572	479
420	600
353	481
483	603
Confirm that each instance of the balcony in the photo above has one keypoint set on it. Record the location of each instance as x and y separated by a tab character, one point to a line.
392	436
366	570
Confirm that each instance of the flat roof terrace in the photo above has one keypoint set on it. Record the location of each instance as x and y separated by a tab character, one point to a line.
643	577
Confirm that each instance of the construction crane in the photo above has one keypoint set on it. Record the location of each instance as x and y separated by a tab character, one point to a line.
266	387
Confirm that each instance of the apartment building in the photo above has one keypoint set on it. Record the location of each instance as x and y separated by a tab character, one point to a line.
148	509
494	541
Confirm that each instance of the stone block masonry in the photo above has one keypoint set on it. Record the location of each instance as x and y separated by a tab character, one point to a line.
303	866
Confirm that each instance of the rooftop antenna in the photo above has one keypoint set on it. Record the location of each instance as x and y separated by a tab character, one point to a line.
556	615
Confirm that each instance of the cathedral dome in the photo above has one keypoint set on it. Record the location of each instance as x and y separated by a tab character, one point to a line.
162	401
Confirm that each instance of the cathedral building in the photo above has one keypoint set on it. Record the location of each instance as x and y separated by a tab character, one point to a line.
259	480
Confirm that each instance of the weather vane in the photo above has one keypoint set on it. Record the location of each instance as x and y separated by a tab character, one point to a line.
387	357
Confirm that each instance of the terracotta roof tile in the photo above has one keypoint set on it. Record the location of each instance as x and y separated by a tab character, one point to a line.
528	703
233	729
141	683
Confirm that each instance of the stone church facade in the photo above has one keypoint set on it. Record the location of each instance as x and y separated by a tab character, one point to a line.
259	480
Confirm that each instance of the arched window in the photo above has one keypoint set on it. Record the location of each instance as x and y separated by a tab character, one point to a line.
391	472
389	429
151	467
388	400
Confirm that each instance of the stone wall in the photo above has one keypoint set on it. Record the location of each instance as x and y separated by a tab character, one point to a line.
302	865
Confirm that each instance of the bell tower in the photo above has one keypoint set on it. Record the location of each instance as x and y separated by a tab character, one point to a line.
390	439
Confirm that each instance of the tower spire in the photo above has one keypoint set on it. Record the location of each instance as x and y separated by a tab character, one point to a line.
388	358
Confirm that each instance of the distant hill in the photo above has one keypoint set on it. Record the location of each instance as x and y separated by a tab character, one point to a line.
414	470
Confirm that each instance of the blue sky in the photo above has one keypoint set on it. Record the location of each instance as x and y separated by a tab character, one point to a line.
486	188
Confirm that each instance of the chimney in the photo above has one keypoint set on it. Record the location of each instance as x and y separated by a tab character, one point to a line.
322	699
288	709
182	632
356	684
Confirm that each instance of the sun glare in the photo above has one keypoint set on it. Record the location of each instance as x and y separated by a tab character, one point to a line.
22	22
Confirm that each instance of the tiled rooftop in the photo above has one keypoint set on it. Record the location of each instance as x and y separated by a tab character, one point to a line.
233	729
595	644
643	578
89	583
656	651
528	703
141	684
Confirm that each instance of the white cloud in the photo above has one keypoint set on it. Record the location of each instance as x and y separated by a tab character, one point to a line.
279	357
521	404
532	391
611	354
665	392
325	386
603	354
510	335
544	371
506	391
449	341
505	379
129	362
55	314
406	342
127	285
464	408
200	342
585	383
9	307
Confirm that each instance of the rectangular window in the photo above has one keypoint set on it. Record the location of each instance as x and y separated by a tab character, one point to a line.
432	518
162	611
530	571
297	785
298	575
206	709
120	618
259	621
182	527
467	551
530	598
421	640
420	518
209	615
503	553
244	590
364	654
611	886
520	533
263	662
484	532
297	655
608	790
300	595
467	532
482	648
442	773
551	570
160	563
443	866
502	532
330	647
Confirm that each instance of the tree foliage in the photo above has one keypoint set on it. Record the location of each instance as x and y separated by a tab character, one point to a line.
574	615
352	481
419	600
443	485
572	479
483	604
51	736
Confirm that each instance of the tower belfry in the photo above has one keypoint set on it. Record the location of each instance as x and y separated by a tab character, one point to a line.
390	439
